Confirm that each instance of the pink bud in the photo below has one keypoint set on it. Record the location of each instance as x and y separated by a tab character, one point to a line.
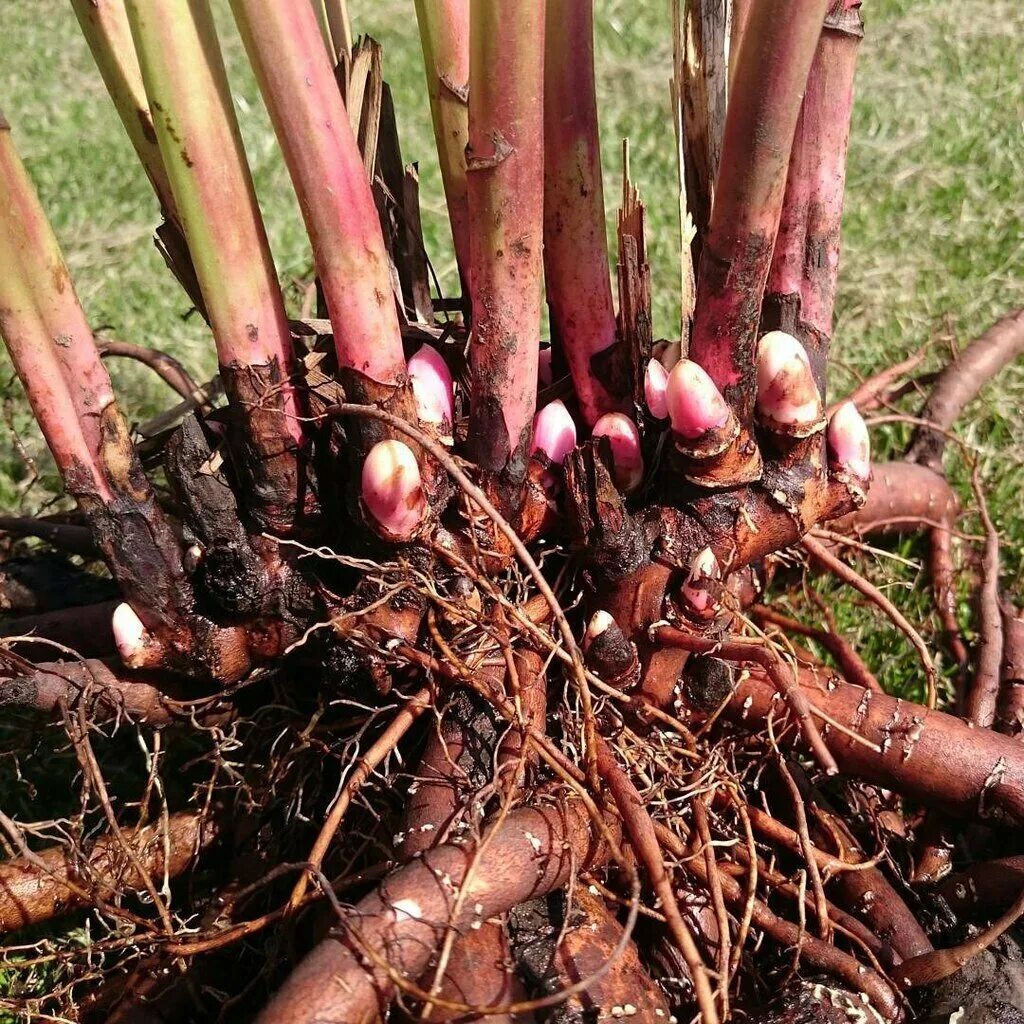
392	489
544	374
703	570
655	382
554	432
432	387
848	441
694	402
786	392
129	633
624	439
599	623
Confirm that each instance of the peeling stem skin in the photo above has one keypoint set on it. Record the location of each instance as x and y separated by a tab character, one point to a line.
576	273
801	288
298	85
505	162
771	73
531	853
199	139
444	36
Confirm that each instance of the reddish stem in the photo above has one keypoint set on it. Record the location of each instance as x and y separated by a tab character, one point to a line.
505	164
298	84
802	283
773	63
576	272
55	356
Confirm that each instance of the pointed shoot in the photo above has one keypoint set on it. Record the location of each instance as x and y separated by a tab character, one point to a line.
392	490
849	446
627	457
432	388
655	385
787	397
695	404
699	592
554	432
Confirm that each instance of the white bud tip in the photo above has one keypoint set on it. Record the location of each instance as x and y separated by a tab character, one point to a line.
129	632
655	382
848	441
432	387
554	432
627	456
694	403
392	489
786	392
599	622
703	569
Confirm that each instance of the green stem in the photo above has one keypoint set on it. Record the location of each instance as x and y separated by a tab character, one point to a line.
199	139
55	356
444	36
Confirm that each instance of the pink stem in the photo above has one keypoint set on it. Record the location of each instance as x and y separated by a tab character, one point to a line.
575	238
505	164
829	105
55	356
298	84
776	51
801	286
